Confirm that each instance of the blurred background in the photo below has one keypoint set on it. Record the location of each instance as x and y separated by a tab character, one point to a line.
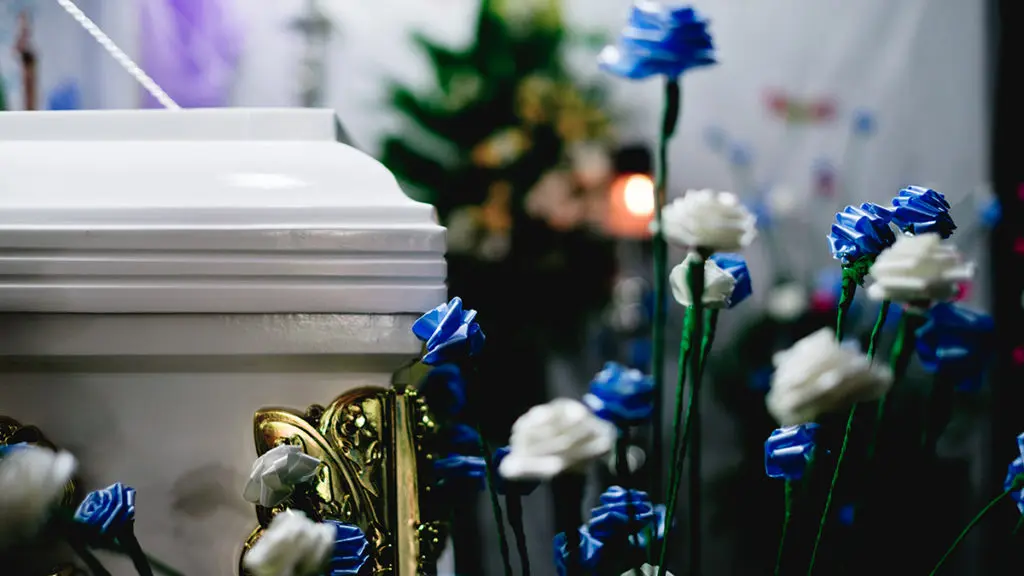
494	111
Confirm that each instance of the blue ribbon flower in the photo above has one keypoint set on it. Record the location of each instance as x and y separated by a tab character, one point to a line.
621	513
655	528
108	511
740	155
461	439
788	449
736	266
861	232
920	210
589	553
450	333
461	470
1015	470
444	390
351	553
624	396
956	342
505	486
659	40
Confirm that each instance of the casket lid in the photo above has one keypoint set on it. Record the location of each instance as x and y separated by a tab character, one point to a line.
227	211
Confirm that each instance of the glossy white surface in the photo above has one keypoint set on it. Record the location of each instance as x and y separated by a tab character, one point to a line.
234	211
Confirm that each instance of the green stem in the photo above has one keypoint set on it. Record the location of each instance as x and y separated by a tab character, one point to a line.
785	527
130	544
970	526
90	561
506	556
1016	529
899	360
679	436
514	505
876	331
695	276
670	117
846	295
832	488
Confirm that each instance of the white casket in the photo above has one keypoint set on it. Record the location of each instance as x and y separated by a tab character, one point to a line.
164	275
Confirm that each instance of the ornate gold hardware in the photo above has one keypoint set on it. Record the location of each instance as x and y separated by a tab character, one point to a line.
371	442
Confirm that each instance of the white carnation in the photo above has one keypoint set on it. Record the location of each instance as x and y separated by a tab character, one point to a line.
918	268
707	219
646	570
787	302
817	376
275	475
292	545
32	484
560	436
718	284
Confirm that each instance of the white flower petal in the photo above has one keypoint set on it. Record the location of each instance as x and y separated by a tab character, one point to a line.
275	474
817	376
918	268
293	545
32	482
560	436
710	220
718	284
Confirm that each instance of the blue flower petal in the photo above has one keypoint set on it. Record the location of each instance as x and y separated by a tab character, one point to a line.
956	342
659	40
444	389
589	551
108	511
863	122
788	449
351	553
861	232
450	333
920	210
736	266
459	470
1016	468
621	513
624	396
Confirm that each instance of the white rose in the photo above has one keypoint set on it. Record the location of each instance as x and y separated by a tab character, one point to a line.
817	376
646	570
916	268
718	284
708	219
560	436
32	482
787	302
292	545
275	474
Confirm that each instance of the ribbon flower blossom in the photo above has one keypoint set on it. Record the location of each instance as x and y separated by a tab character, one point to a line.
921	210
861	233
787	451
450	333
726	281
624	396
918	268
351	550
659	40
621	513
709	220
1015	471
955	342
275	475
108	511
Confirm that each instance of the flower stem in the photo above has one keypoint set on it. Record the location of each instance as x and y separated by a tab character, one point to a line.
130	544
876	331
679	436
937	412
91	562
832	488
514	505
899	359
846	295
569	486
623	472
1016	529
695	276
785	526
670	118
506	556
970	525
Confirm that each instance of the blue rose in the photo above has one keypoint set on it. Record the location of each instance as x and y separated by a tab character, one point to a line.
450	333
659	40
956	342
1015	470
462	439
624	396
788	449
736	266
351	553
107	511
991	213
460	470
444	390
861	233
621	513
589	553
505	486
655	528
920	210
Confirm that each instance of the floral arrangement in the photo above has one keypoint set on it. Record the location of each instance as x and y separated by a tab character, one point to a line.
37	510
